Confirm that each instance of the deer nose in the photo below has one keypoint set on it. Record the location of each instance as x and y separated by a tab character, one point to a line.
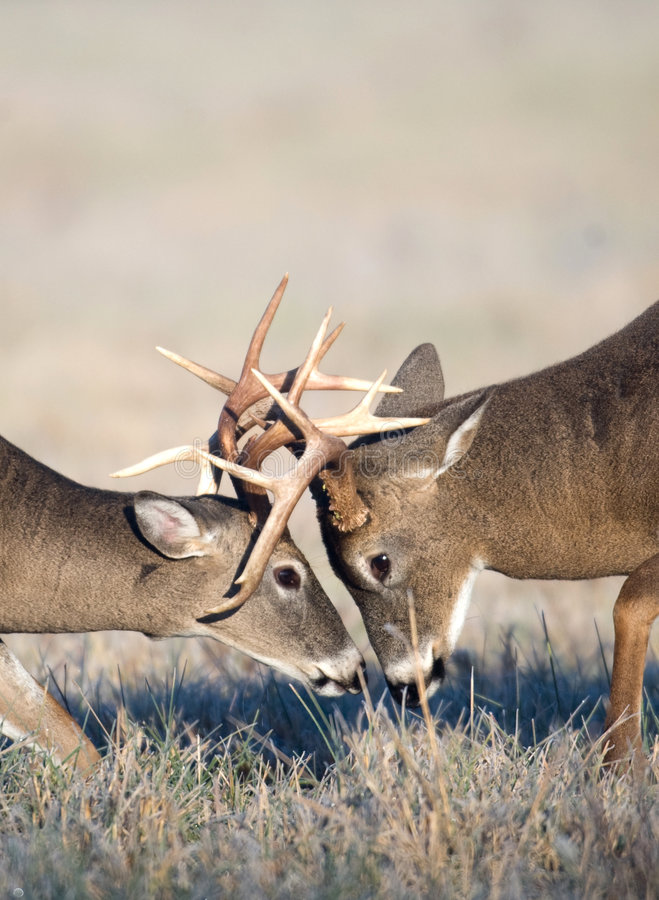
408	691
360	678
405	693
342	675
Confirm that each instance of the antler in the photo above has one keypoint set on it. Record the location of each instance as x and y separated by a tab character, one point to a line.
250	403
331	458
287	490
324	452
247	391
185	453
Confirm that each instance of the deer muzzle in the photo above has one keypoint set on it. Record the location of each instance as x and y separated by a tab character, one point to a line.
344	673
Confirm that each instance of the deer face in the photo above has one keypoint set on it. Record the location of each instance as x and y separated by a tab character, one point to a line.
408	567
288	622
405	577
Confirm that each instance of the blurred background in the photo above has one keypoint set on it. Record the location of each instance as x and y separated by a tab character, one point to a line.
482	175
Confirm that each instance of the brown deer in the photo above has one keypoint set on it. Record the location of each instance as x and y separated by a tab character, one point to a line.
76	558
554	475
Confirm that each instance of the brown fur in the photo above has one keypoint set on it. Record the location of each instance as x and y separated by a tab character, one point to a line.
74	558
557	476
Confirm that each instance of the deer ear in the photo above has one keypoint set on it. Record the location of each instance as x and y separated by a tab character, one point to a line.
461	439
442	443
169	527
422	382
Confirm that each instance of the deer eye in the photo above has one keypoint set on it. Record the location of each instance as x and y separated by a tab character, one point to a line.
380	566
287	577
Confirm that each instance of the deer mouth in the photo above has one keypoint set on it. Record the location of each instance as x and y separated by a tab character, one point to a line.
328	686
408	693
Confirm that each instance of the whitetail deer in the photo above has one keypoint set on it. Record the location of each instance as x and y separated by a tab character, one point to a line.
75	558
317	444
555	475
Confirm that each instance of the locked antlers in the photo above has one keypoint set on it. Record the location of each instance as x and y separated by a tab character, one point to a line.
240	412
282	423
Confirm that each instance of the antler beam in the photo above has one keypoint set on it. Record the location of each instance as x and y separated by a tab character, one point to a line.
283	424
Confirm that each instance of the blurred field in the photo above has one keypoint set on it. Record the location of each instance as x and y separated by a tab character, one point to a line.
482	175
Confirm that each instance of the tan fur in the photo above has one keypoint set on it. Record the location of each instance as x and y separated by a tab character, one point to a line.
28	712
75	559
635	610
559	478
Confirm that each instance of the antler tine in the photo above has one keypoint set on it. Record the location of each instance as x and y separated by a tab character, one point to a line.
279	434
244	394
356	422
319	381
214	379
329	340
187	452
287	491
359	420
227	385
256	344
312	359
175	454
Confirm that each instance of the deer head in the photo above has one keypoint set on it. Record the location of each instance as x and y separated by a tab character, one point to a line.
317	445
552	475
406	557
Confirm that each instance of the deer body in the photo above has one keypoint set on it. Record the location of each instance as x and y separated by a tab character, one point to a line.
565	467
75	558
555	475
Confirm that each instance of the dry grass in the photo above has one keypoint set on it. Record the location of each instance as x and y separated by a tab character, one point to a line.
236	785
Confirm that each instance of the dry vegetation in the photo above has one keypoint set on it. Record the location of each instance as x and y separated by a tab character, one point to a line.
299	799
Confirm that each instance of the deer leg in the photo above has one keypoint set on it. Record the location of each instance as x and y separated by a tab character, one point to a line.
635	610
28	712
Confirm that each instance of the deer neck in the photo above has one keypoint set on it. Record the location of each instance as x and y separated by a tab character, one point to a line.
94	571
562	474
